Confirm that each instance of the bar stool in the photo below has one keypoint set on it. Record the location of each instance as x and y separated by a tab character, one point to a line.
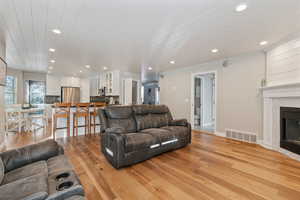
94	114
61	110
82	110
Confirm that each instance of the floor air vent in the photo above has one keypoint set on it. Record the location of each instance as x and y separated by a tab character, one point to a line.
241	135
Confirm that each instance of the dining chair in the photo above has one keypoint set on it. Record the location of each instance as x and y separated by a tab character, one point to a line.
94	114
40	119
82	111
61	111
14	120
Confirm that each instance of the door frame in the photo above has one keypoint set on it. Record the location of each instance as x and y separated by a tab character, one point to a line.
123	92
193	75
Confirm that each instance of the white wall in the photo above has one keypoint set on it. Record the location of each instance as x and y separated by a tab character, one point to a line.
2	143
284	63
239	102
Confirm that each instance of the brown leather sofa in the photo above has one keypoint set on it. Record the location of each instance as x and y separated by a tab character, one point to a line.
131	134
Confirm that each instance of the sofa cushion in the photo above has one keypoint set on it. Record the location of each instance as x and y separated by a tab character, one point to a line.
129	124
141	109
26	171
30	188
146	109
120	116
139	141
58	164
159	120
151	116
118	112
20	157
162	135
158	109
143	121
1	171
179	131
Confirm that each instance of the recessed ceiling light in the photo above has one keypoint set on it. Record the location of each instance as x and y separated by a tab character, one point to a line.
262	43
56	31
52	50
172	62
52	61
80	71
88	66
105	68
215	50
241	7
150	68
50	67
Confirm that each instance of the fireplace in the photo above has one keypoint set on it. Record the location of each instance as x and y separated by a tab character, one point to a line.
290	129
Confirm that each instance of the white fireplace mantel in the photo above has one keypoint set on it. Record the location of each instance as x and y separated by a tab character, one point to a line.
287	95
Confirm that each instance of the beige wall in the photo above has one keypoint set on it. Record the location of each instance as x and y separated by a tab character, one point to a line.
239	102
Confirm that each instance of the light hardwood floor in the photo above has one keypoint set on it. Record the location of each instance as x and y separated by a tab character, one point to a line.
210	168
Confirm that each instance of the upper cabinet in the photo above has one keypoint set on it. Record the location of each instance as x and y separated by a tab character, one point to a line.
70	82
53	85
94	86
111	81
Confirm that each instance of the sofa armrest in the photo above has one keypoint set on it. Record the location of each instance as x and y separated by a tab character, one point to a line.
17	158
113	147
179	122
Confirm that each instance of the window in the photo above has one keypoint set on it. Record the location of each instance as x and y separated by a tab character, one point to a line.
35	92
10	94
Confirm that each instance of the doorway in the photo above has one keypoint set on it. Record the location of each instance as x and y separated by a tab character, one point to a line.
204	101
131	93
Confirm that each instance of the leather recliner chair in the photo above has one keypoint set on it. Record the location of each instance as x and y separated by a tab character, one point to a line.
37	172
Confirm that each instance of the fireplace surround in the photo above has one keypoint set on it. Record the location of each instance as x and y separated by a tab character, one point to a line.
281	106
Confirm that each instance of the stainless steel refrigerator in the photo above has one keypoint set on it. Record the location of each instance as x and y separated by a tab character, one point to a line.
70	94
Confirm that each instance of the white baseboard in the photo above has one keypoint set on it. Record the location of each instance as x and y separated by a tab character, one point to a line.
221	134
266	146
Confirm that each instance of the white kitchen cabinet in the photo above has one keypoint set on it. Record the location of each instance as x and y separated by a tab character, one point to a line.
53	85
111	81
94	86
70	82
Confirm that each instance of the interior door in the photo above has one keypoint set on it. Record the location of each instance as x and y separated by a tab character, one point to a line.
128	91
197	102
134	92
